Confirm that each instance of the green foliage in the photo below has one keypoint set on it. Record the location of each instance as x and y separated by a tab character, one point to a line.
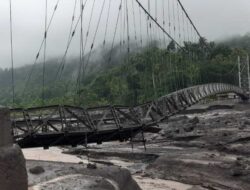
146	74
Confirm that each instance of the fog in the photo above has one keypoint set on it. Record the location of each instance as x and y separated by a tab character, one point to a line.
215	19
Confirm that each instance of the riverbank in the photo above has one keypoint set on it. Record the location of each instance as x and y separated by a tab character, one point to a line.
201	150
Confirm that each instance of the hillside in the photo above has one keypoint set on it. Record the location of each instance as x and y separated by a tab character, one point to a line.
148	73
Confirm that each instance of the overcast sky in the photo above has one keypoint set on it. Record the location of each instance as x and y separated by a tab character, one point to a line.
215	19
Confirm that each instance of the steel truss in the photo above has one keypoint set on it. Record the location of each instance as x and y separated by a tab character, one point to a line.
71	125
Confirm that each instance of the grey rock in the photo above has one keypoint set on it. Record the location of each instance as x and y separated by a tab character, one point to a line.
195	120
246	122
247	113
91	166
237	172
37	170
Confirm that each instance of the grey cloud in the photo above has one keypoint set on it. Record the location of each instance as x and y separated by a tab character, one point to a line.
214	18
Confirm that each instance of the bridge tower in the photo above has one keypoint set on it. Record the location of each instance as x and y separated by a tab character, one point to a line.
243	73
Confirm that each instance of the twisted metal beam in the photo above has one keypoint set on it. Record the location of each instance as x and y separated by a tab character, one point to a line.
70	125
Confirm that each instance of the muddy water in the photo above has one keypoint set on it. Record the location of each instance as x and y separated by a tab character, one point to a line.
158	184
55	155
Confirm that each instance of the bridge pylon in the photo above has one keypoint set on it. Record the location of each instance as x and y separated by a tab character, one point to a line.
243	73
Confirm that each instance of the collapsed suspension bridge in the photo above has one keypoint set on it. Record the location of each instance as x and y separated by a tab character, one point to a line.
71	125
131	27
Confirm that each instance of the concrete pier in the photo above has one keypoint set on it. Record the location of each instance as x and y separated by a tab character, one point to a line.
13	173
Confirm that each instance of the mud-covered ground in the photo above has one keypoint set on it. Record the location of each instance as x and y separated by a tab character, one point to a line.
205	148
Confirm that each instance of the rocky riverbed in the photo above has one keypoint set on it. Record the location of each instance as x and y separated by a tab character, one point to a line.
206	147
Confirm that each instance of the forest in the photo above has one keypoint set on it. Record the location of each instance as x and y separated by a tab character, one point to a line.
143	74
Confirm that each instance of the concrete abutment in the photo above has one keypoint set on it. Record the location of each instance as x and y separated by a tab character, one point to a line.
13	175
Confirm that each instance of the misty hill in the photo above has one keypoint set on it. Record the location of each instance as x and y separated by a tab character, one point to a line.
60	77
112	78
242	42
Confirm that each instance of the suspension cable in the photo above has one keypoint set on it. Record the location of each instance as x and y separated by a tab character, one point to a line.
177	79
133	8
106	26
191	22
164	45
128	36
81	53
62	63
180	41
235	67
140	27
82	67
170	55
72	21
116	25
150	16
121	29
96	30
29	74
44	50
179	24
12	55
87	34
